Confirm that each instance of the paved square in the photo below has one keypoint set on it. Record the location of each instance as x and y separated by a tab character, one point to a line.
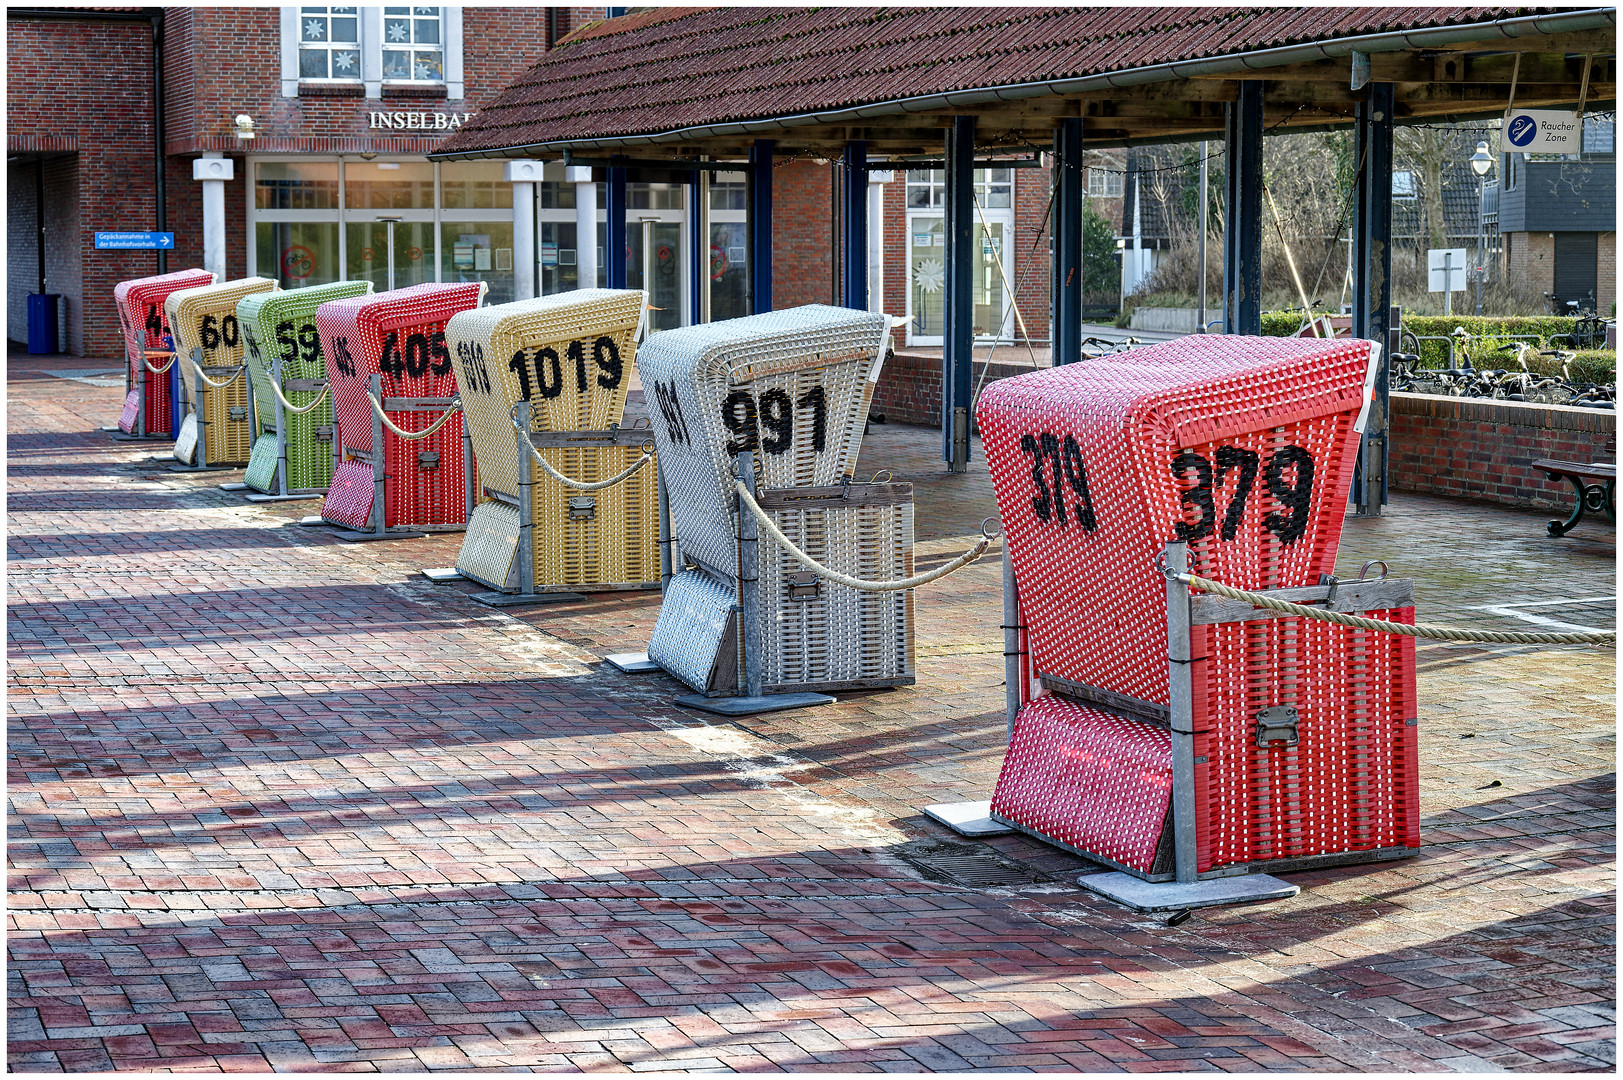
279	803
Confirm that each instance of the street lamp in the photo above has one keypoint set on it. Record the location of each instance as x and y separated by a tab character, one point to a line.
1481	162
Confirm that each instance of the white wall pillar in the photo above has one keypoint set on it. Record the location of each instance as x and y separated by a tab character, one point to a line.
214	171
876	237
585	223
523	175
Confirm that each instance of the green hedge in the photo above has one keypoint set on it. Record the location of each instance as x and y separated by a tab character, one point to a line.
1488	333
1284	323
1588	365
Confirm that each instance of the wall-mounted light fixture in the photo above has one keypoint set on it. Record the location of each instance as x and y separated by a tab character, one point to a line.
245	126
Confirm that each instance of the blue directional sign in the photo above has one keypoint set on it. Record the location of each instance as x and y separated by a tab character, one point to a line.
135	241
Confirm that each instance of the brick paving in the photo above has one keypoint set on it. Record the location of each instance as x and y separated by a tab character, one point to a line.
278	803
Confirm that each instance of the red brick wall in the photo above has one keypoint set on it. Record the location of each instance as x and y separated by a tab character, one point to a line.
232	62
1027	265
85	87
803	237
1481	449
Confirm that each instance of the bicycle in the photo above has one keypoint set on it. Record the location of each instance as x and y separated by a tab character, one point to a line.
1589	332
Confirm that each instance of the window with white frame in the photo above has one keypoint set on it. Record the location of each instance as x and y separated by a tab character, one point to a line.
372	46
1104	183
329	43
413	47
927	189
1403	184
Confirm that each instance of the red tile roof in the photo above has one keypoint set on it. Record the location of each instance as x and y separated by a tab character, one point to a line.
677	69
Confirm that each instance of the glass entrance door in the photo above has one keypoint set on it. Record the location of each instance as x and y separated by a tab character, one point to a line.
368	245
654	263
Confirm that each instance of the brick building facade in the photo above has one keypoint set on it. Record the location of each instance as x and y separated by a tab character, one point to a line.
81	85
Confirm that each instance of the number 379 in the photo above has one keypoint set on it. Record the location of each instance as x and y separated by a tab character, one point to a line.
1288	474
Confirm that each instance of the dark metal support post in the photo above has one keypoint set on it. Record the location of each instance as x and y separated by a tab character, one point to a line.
698	245
957	353
1372	280
759	226
854	177
617	228
1242	237
1068	269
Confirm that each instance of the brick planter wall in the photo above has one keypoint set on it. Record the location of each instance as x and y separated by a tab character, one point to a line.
909	390
1471	449
1477	449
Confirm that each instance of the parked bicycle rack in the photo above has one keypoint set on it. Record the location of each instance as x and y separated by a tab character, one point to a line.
294	458
554	372
777	401
391	374
149	404
1194	744
217	431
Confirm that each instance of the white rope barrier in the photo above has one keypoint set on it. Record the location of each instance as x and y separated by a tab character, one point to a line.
772	530
1435	633
300	410
578	485
220	385
450	411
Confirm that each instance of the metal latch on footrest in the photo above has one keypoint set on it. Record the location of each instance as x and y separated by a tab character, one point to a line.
804	586
236	413
428	459
323	433
1277	723
582	508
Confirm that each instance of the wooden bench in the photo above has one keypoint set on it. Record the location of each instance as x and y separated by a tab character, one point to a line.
1593	483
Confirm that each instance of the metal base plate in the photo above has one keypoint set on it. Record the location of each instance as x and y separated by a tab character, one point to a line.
234	487
175	466
1140	895
125	436
632	663
502	599
354	537
313	519
968	818
444	575
749	706
258	498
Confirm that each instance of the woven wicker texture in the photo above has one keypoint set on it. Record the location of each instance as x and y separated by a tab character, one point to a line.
580	348
1244	446
399	334
691	628
489	551
1350	784
1098	782
205	317
143	321
283	325
794	385
843	634
263	460
619	543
